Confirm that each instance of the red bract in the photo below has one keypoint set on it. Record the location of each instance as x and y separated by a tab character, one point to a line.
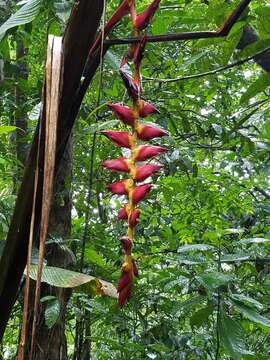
120	164
140	192
138	54
144	19
125	295
144	171
125	279
148	132
119	138
122	214
133	88
122	10
120	187
126	244
145	152
134	217
147	109
124	113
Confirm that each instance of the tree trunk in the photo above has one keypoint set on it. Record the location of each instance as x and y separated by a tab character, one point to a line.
50	343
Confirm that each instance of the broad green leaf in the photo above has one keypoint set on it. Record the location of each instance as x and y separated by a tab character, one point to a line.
52	313
214	279
232	336
252	314
255	88
254	241
93	256
63	278
5	129
256	47
24	15
188	304
195	247
246	300
234	257
200	316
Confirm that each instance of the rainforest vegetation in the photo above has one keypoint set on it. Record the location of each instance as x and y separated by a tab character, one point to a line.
167	254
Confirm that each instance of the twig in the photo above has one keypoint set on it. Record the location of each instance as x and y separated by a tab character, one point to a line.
221	32
211	72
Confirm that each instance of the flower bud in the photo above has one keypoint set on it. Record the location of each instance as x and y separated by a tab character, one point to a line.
143	20
126	244
144	171
148	132
119	138
120	164
140	192
133	88
145	152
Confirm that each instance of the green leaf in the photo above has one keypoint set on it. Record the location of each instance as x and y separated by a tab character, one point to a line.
254	241
234	257
195	247
258	86
59	277
246	300
52	313
200	316
214	279
93	256
63	278
5	129
24	15
252	314
232	336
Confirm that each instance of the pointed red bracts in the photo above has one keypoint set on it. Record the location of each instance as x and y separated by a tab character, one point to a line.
144	171
120	164
126	244
148	132
119	138
133	88
140	131
134	217
138	54
122	214
140	192
121	187
145	152
122	10
145	109
124	113
125	294
143	20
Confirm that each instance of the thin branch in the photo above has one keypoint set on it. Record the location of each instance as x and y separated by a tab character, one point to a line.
221	32
211	72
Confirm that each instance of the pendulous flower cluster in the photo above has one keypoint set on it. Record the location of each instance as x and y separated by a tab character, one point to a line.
133	186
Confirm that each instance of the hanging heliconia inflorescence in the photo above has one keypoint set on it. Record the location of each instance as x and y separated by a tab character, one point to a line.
133	140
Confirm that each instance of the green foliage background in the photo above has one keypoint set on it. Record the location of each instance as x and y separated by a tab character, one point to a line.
202	244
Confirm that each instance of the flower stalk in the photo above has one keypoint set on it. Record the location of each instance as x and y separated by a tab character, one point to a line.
133	187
